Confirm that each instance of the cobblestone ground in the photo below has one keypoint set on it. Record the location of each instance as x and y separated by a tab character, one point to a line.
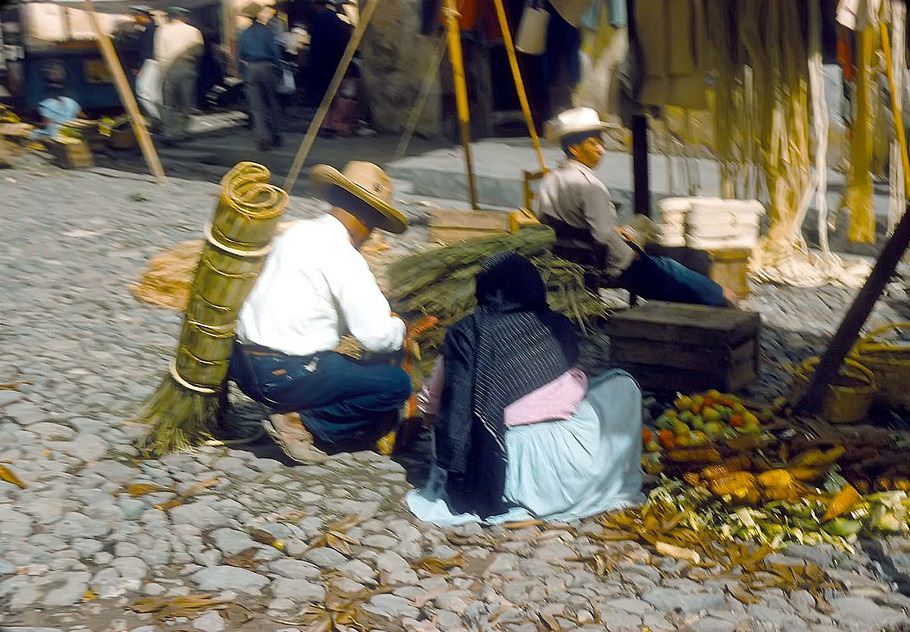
76	550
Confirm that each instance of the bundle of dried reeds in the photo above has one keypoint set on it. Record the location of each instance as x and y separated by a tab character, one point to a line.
439	282
186	407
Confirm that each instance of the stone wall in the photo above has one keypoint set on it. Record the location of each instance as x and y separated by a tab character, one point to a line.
396	58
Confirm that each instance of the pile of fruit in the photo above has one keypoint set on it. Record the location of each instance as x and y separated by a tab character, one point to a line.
749	472
702	420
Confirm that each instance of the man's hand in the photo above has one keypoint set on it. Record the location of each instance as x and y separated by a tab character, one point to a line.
625	233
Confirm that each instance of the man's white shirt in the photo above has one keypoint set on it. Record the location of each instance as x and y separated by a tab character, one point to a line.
314	288
177	40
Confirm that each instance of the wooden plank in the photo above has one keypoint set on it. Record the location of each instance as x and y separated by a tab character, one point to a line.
663	379
671	355
689	324
140	127
452	218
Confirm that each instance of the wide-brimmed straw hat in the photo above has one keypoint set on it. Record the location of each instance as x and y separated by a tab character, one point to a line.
574	121
252	10
369	183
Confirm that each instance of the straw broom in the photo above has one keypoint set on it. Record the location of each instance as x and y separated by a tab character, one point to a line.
186	407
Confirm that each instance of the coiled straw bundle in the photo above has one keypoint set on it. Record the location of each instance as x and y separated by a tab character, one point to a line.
186	407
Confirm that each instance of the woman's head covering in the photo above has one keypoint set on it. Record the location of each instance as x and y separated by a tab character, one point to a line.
509	281
510	346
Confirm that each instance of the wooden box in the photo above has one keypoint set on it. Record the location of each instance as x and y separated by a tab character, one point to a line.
449	226
676	347
71	153
730	268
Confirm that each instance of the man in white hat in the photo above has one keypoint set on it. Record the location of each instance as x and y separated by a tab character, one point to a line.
577	205
315	287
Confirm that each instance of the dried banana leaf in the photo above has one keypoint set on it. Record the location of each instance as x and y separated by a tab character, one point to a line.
7	475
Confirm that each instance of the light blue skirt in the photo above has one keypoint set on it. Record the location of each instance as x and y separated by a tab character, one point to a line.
563	470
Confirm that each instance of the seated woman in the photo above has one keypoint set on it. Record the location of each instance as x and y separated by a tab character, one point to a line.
518	432
56	110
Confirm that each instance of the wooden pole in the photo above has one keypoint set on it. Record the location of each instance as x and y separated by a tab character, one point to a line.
310	138
641	197
895	106
229	34
461	94
848	331
519	83
428	81
127	97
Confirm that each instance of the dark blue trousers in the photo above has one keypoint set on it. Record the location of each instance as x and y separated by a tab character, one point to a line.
663	279
339	400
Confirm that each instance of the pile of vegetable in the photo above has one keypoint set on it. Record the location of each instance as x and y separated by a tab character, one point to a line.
747	472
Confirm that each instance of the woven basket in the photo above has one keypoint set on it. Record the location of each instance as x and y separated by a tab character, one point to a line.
847	400
889	360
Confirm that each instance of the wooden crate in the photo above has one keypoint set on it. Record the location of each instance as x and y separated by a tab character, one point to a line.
72	154
449	226
676	347
730	268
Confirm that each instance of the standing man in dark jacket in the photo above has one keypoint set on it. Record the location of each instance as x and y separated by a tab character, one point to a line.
143	16
147	71
260	66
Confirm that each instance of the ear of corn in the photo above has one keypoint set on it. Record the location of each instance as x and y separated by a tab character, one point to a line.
817	458
775	478
694	455
845	500
728	466
735	484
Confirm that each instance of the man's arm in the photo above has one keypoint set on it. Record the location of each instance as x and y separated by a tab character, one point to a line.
366	311
600	215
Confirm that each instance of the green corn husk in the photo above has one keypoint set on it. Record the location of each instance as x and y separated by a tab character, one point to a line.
186	407
440	282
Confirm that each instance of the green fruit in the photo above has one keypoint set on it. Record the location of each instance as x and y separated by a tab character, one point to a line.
714	428
686	416
653	446
680	429
765	415
664	423
698	423
711	414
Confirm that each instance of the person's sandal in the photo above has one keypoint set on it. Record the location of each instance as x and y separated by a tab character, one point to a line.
293	438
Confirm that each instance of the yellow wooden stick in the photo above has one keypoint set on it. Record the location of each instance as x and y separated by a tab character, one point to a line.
126	96
461	93
519	83
307	144
895	107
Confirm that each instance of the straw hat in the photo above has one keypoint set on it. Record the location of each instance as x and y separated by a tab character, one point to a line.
369	183
574	121
252	10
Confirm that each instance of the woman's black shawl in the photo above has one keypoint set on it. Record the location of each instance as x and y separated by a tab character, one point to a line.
511	345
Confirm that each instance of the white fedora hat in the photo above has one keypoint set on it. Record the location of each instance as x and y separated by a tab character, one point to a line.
574	121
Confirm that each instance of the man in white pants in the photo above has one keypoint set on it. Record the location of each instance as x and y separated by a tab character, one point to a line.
178	46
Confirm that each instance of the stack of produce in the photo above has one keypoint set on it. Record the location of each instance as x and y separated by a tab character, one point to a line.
725	468
439	282
700	419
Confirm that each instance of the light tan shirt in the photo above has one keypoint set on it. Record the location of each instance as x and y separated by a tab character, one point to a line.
572	193
177	41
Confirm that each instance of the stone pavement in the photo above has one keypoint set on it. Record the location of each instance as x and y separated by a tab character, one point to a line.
76	550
